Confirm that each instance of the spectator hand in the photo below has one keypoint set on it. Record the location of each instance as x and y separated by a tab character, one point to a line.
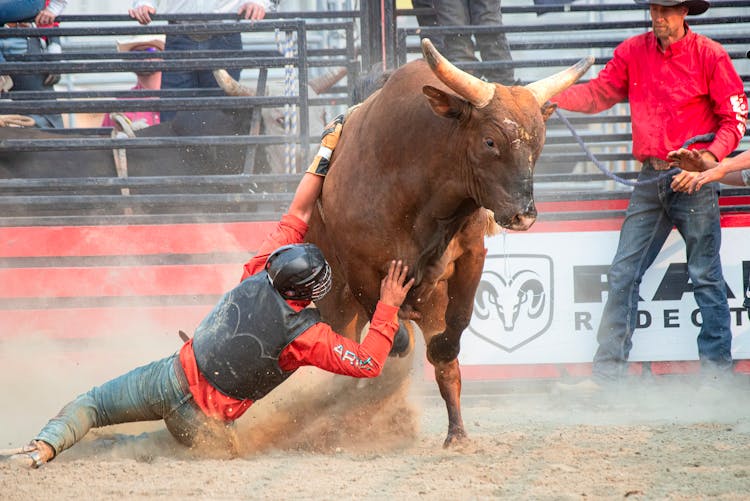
251	10
50	79
142	14
394	286
44	18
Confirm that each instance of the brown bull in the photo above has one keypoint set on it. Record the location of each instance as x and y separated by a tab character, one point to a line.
417	168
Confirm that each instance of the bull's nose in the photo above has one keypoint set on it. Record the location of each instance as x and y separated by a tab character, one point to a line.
522	222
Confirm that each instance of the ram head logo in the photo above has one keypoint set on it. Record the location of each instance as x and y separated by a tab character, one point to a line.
521	294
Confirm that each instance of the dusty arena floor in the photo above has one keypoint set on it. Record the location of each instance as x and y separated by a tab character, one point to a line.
662	439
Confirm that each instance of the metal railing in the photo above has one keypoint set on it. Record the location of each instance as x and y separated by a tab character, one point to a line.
563	172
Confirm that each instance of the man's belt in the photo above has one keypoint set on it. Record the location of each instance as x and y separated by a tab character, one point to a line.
657	163
18	25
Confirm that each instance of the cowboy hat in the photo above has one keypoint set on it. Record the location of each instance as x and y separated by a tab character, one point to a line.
141	42
694	7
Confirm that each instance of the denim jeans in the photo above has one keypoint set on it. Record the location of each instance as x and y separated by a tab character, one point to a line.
152	392
19	10
491	46
652	212
12	45
32	81
197	79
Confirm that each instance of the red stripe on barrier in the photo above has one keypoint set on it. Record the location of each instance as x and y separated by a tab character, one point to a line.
101	323
118	281
584	205
613	224
41	241
683	367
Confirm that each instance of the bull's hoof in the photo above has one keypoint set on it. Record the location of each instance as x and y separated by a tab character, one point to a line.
401	341
455	438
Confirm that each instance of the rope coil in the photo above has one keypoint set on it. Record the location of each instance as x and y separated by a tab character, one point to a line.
590	155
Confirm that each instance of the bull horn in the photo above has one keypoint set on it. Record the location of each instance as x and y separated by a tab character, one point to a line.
475	90
231	86
327	80
545	88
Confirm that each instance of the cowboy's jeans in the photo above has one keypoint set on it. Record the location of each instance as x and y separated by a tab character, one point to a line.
19	10
652	212
152	392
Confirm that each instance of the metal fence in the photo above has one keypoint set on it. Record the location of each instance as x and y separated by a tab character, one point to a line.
543	39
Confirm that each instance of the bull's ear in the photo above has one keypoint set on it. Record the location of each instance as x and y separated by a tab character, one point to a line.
444	104
548	109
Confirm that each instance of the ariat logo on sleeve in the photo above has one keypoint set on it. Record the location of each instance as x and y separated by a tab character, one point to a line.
739	106
351	357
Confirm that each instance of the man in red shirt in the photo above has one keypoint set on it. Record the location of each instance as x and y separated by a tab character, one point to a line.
680	85
257	335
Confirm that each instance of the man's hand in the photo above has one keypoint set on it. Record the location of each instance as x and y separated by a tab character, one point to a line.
142	14
320	164
44	18
691	182
685	181
690	160
252	11
393	287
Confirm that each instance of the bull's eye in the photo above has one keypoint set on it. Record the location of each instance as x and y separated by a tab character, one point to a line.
489	142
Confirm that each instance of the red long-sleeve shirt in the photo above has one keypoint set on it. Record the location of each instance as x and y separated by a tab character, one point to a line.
687	90
319	345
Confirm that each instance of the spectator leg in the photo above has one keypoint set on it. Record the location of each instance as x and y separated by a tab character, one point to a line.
32	81
19	10
230	41
456	13
178	79
492	47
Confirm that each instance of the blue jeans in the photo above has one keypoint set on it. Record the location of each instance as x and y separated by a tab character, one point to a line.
652	212
34	81
152	392
19	10
13	45
198	79
492	47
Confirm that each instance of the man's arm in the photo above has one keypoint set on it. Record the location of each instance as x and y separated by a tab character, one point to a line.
729	105
608	88
322	347
293	225
698	170
311	185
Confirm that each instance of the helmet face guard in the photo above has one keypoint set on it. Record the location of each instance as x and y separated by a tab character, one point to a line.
299	272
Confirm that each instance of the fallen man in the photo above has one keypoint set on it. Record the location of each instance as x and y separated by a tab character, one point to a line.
257	335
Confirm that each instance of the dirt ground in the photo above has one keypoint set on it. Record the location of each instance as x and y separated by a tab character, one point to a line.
332	438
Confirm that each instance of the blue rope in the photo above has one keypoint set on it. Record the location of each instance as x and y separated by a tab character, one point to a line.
697	139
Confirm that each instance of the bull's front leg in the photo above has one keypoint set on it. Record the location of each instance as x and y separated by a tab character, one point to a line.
457	298
442	353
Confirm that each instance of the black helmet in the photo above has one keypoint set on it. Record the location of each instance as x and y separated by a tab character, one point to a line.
299	271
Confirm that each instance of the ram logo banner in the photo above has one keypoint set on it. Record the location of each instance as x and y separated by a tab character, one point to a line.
513	303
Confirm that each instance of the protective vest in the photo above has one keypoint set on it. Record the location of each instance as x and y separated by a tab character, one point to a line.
237	345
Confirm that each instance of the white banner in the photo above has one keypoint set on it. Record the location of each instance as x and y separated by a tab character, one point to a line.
541	297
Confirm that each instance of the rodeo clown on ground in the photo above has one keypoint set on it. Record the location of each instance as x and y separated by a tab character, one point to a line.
257	335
